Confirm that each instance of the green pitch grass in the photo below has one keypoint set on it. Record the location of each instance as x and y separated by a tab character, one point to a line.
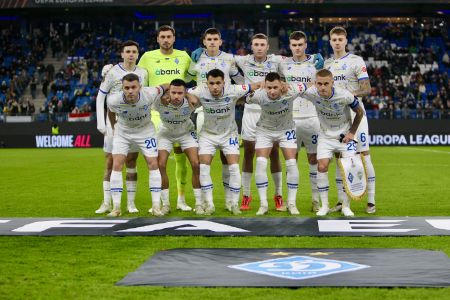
411	181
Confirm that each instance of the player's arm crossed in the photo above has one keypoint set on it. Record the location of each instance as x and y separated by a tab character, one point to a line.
364	88
356	107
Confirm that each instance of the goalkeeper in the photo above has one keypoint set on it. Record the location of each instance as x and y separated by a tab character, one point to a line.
164	65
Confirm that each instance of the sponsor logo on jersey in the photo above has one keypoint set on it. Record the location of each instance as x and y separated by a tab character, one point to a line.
137	118
175	122
298	79
339	77
254	73
167	72
280	112
217	110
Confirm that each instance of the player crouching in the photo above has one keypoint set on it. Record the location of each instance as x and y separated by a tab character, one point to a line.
276	125
132	107
333	106
177	128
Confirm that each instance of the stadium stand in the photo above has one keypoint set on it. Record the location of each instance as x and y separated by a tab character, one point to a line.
408	63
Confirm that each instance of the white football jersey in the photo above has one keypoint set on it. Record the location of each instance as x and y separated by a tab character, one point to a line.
112	83
136	115
347	71
220	112
223	61
175	120
256	71
300	72
276	115
334	112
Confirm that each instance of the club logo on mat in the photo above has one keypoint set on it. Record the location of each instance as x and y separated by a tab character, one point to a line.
299	267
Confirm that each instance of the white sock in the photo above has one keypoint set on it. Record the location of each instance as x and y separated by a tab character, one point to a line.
226	181
198	197
131	190
292	180
262	181
165	197
342	195
206	183
246	181
235	183
370	179
313	182
116	183
323	187
278	181
154	183
106	192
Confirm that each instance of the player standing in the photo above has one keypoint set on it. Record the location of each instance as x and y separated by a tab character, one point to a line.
300	69
164	65
255	68
350	72
112	83
134	127
214	58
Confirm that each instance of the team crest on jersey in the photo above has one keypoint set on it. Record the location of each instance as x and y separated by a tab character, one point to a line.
269	65
284	102
344	67
186	111
227	99
176	60
335	106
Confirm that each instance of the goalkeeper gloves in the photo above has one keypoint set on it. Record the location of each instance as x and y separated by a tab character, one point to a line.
195	55
318	61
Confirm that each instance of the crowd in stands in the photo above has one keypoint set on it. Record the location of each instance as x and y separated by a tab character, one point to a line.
408	64
19	57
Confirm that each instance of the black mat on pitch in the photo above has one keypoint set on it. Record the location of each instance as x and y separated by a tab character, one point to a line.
294	268
233	226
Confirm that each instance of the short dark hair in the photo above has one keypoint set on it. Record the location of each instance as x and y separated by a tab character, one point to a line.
211	31
178	82
130	77
339	31
165	28
260	36
272	76
297	35
324	73
128	43
215	73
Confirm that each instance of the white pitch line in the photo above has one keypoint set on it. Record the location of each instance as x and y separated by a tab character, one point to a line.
427	150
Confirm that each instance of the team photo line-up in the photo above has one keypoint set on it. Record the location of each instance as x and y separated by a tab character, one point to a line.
289	102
